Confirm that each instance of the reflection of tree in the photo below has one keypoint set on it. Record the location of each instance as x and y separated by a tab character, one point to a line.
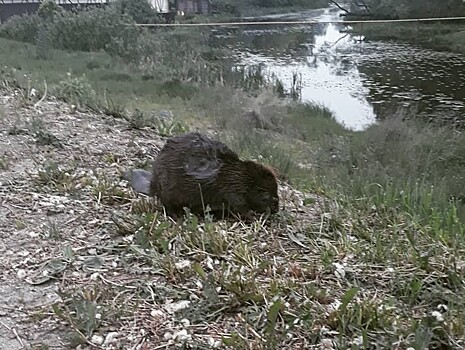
357	4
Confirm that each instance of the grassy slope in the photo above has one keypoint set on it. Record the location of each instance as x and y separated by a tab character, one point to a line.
399	241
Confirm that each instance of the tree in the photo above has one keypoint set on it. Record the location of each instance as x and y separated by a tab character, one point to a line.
402	8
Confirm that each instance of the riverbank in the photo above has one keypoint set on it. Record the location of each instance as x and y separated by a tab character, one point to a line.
438	36
368	246
97	265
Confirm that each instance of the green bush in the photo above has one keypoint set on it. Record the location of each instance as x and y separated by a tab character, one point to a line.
284	3
89	29
413	8
76	90
139	10
48	10
21	28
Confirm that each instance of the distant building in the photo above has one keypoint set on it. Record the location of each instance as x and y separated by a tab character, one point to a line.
167	8
194	6
161	6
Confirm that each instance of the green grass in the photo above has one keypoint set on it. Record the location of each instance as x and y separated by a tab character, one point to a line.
437	36
103	72
456	41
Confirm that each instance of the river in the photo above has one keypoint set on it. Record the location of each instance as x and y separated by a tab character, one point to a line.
359	81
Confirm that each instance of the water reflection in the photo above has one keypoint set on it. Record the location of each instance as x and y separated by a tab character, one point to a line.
357	81
432	82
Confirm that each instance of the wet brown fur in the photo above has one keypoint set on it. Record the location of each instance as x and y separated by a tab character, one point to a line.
194	171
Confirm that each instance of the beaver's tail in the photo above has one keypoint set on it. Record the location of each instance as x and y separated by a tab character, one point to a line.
139	180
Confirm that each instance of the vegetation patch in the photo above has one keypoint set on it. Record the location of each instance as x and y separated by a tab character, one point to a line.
441	35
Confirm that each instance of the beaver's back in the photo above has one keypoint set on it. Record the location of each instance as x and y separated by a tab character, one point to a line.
189	170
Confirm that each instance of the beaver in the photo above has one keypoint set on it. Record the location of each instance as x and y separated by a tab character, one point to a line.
193	171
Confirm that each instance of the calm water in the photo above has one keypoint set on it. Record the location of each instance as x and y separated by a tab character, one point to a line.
358	81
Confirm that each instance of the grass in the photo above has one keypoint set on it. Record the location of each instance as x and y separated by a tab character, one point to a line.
367	251
102	71
455	40
436	36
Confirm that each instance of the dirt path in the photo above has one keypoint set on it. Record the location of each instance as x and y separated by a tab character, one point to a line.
49	155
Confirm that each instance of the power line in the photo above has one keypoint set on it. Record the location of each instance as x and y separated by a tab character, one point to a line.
225	24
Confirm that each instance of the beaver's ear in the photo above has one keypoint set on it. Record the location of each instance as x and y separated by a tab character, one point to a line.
139	180
274	171
202	168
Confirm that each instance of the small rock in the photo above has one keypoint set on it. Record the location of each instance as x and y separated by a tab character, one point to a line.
209	263
182	335
182	264
438	316
185	322
442	308
340	270
173	307
111	338
21	273
214	343
326	344
97	339
156	313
